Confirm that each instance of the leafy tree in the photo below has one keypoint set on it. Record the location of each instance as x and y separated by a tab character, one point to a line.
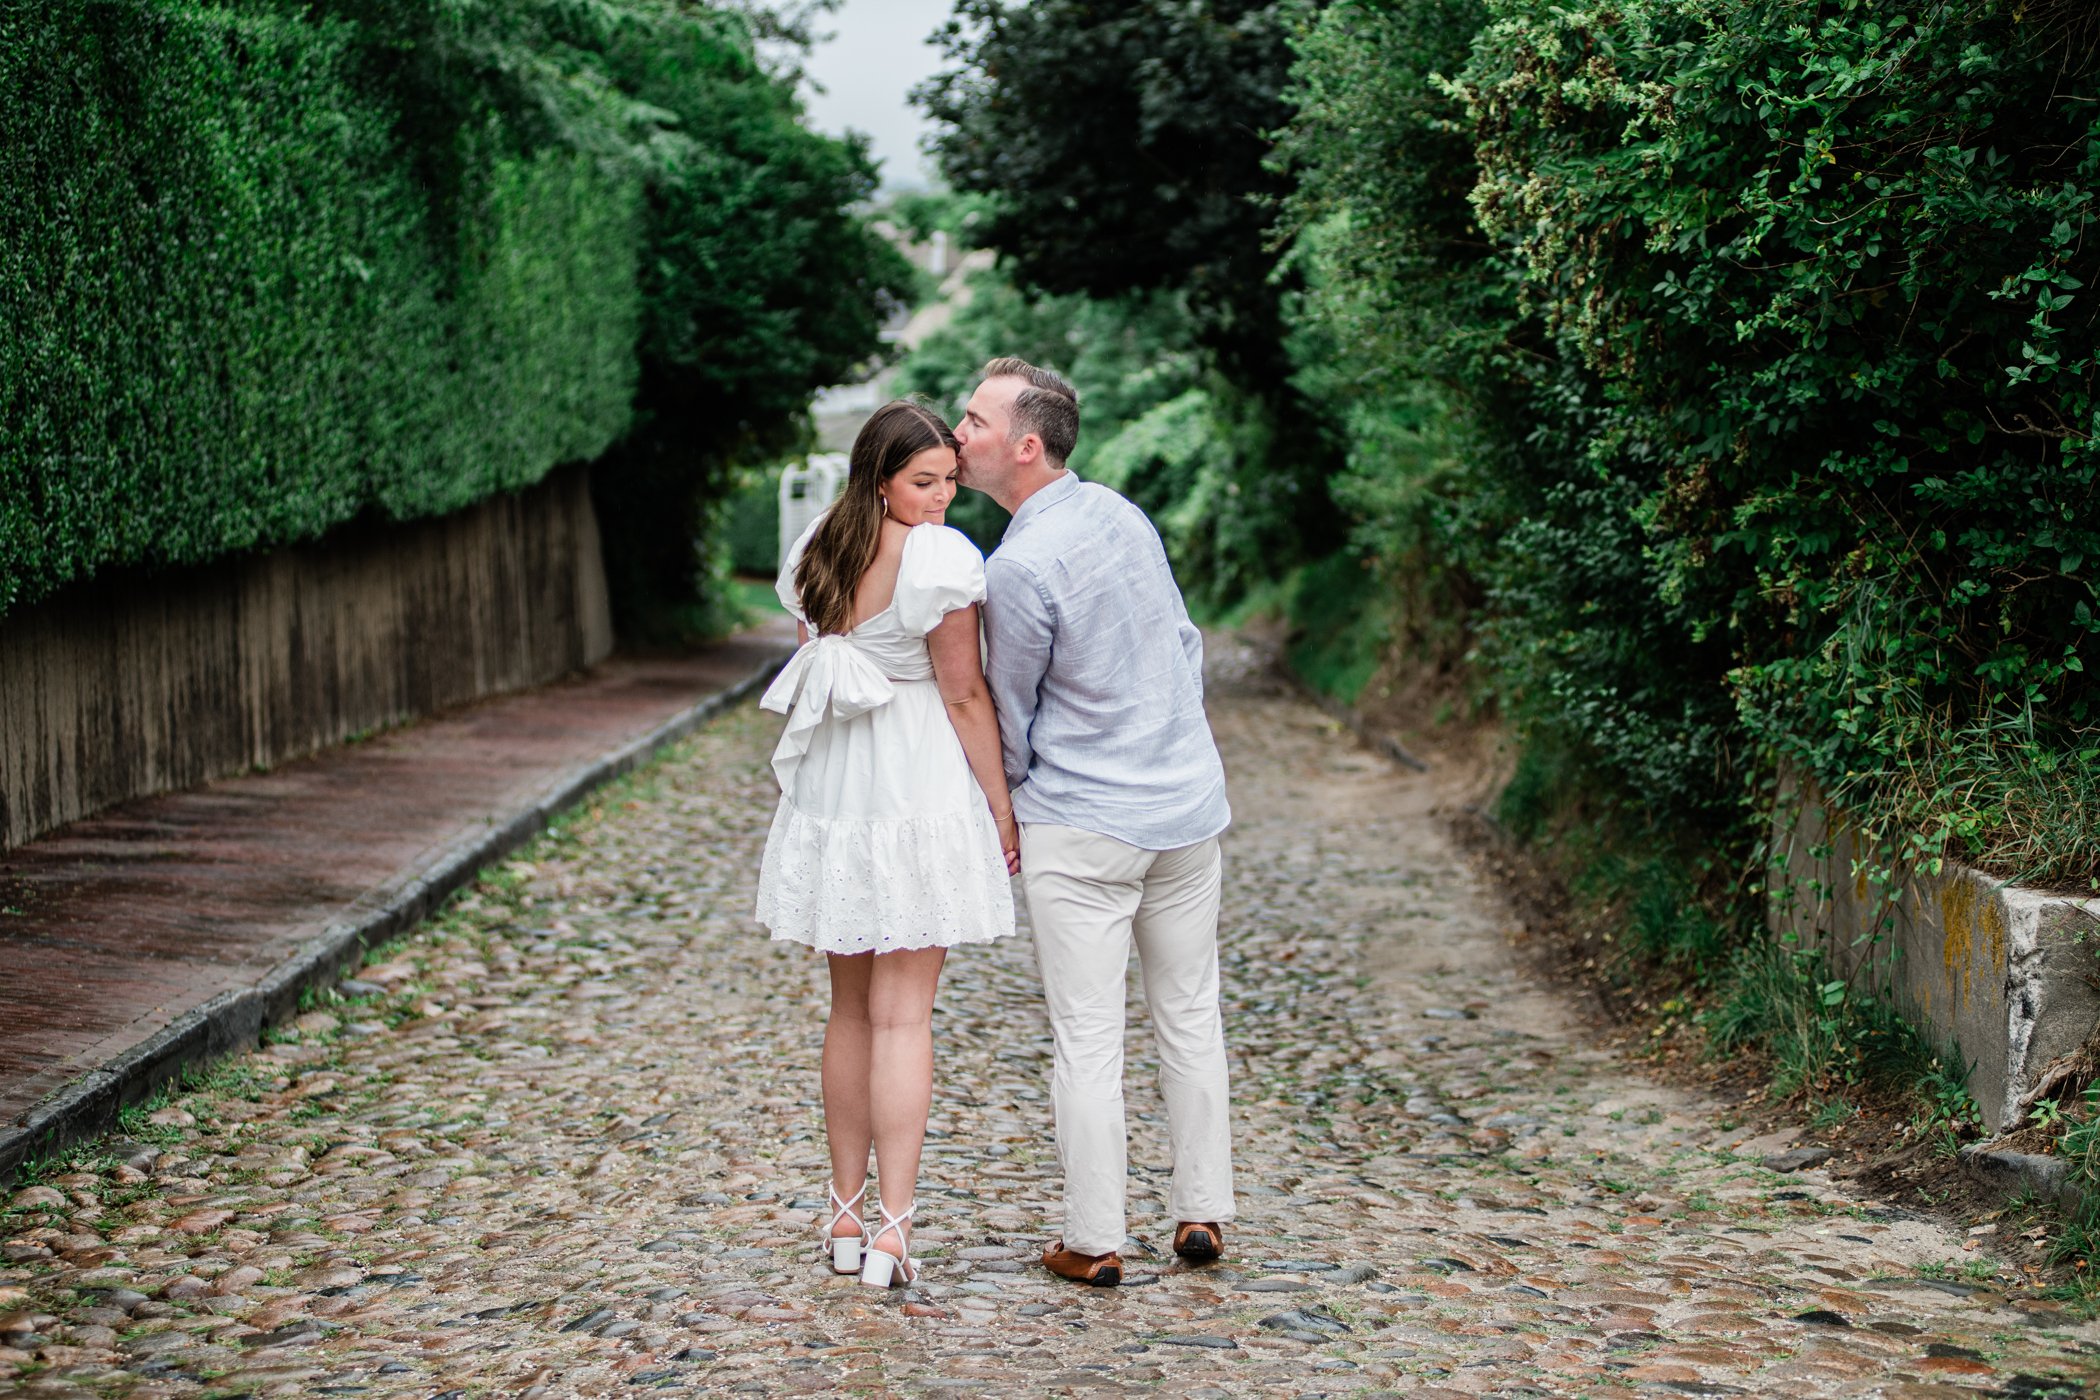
761	281
1124	354
1124	152
923	213
1125	148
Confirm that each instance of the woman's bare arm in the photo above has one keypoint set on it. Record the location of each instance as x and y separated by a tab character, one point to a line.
958	668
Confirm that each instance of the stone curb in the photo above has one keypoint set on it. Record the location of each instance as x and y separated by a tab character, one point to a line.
2022	1174
235	1019
2002	971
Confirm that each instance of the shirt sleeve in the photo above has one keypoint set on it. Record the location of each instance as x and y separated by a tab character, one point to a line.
1189	634
1019	629
1192	648
941	571
784	586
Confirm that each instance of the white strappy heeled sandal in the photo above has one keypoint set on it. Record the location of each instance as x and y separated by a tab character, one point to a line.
884	1269
845	1250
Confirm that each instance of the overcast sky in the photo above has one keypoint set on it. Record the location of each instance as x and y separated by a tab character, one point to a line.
879	53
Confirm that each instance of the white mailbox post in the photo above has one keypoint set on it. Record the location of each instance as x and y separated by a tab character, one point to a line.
805	491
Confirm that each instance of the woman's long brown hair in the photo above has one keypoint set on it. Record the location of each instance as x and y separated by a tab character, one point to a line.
843	548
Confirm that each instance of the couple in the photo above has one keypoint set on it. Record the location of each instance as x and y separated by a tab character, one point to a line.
917	775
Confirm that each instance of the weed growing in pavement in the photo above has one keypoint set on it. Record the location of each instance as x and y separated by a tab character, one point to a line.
119	1195
1830	1112
2076	1243
240	1077
81	1158
1828	1039
1947	1112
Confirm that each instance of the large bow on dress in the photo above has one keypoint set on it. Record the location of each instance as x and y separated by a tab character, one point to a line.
827	676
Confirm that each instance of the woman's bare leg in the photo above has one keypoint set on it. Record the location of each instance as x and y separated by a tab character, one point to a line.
845	1078
900	1073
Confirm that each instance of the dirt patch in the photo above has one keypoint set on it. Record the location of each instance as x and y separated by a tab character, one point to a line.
1427	711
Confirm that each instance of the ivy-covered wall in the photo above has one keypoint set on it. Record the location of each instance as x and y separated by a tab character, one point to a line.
265	266
236	317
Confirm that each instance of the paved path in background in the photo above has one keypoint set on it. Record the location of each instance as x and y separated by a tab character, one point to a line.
115	930
564	1141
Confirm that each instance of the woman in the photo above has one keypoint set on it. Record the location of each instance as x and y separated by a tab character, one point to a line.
895	835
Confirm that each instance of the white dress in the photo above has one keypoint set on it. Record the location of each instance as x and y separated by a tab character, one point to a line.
883	839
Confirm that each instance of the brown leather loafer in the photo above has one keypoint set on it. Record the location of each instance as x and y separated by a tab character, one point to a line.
1198	1241
1100	1270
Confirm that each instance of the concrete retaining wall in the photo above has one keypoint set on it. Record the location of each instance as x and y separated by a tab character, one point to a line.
2009	975
145	682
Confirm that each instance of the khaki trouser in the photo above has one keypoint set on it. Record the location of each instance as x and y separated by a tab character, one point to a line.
1089	897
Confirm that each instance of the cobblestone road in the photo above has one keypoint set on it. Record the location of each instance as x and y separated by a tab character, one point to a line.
564	1142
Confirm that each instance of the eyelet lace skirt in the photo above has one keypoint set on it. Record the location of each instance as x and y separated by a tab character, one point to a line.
886	841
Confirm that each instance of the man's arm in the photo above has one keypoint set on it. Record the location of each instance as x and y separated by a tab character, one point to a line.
1019	630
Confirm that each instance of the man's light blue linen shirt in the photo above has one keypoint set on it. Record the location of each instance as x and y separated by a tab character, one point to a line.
1097	673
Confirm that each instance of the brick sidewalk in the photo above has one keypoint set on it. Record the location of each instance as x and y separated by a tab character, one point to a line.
172	928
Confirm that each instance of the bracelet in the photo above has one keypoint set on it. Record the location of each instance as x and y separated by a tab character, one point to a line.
1003	816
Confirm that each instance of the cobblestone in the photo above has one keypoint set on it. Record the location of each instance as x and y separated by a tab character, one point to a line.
564	1141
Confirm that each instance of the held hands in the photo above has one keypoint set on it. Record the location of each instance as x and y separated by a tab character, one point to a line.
1009	839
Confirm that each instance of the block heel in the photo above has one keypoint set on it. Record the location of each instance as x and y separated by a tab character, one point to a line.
883	1269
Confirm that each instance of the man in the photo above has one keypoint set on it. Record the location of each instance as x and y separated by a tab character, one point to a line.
1097	674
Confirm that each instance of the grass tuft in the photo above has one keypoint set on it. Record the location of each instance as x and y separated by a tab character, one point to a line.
2006	793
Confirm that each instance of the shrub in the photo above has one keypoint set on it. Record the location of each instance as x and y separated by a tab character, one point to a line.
1732	352
1825	269
761	284
751	527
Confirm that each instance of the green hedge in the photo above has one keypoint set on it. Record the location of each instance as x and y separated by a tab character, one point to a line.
238	315
266	265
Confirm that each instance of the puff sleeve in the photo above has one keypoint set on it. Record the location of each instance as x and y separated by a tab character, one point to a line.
940	572
784	586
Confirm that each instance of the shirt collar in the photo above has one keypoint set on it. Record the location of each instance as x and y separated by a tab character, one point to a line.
1041	501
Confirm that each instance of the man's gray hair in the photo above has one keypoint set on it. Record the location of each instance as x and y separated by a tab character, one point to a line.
1048	407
